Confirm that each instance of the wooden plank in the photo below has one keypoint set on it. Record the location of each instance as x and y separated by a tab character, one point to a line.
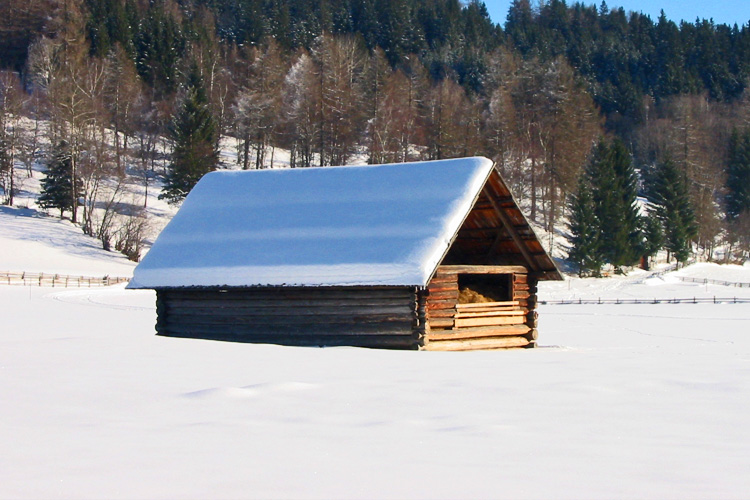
475	305
441	322
495	320
479	332
441	313
484	269
513	231
520	278
490	314
521	295
490	310
478	344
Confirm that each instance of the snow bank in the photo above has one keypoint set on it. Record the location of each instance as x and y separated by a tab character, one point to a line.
620	402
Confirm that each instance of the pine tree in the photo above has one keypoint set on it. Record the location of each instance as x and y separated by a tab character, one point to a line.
195	142
668	192
57	187
614	191
625	234
738	175
585	230
652	236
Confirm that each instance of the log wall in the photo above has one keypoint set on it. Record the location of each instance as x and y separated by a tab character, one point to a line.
491	325
386	317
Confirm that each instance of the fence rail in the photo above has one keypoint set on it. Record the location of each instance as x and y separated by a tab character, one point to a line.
58	280
706	281
692	300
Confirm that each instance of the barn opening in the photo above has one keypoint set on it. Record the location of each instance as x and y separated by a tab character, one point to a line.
477	288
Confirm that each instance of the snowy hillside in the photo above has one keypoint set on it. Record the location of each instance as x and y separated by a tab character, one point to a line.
620	401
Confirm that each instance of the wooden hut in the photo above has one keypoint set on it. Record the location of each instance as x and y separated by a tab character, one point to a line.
426	255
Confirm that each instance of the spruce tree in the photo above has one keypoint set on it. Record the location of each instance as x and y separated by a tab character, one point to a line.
652	236
585	231
738	175
195	139
625	232
58	187
668	192
614	191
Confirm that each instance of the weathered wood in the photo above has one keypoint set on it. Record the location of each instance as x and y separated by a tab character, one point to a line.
441	313
479	332
489	314
441	322
481	305
298	293
303	340
520	278
312	318
513	231
521	294
495	320
249	309
484	269
484	343
354	329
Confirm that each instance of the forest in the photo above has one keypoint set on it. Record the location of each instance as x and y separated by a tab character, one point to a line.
621	134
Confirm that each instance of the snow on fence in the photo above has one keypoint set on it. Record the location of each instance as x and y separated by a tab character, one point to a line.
691	300
58	280
706	281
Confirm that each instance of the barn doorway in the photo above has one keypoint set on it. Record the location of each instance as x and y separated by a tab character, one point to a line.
479	288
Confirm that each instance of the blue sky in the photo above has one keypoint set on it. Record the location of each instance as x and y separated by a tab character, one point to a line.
722	11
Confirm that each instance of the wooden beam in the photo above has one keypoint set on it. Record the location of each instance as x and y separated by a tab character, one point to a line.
483	269
513	233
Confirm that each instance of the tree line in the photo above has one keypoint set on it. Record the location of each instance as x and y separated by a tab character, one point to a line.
553	98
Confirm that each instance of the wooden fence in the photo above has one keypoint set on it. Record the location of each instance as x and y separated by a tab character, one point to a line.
706	281
58	280
691	300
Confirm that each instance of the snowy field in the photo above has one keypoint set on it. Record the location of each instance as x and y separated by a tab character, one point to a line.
621	401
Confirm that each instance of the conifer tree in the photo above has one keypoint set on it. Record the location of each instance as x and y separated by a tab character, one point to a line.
614	191
195	142
585	230
668	192
625	232
652	236
58	187
738	175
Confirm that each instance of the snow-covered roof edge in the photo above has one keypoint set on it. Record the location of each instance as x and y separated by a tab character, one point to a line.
465	179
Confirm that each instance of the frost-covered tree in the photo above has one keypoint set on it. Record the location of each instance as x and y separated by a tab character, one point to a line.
195	141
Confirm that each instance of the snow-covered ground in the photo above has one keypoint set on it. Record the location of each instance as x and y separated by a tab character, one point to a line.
620	401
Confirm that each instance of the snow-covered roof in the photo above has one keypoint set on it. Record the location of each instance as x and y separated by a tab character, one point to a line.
332	226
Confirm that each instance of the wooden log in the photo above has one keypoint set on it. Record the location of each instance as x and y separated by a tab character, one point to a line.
477	344
521	295
476	305
520	278
277	293
479	332
441	322
483	269
249	309
271	337
496	320
490	314
441	313
532	335
187	316
375	329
